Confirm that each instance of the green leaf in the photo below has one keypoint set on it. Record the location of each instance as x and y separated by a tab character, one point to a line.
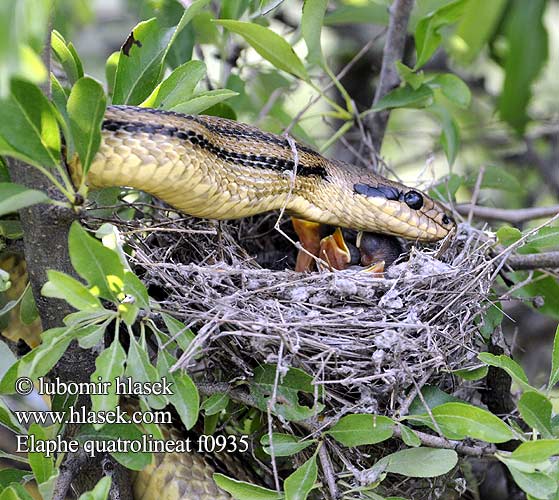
371	13
8	476
41	465
203	101
299	484
28	309
428	30
296	383
126	432
535	409
241	490
142	69
495	178
507	235
554	374
492	317
86	109
40	360
133	286
453	88
223	110
536	452
413	79
182	43
11	229
178	87
537	484
110	71
433	397
66	58
14	197
475	373
546	287
28	126
205	31
409	436
450	139
109	366
185	397
100	492
461	420
179	332
450	134
446	189
269	45
421	462
62	286
139	368
510	366
233	9
97	264
406	97
525	58
140	64
471	34
360	429
311	26
91	335
546	237
285	445
8	420
215	404
15	491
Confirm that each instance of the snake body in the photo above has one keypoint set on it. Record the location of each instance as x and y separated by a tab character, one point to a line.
220	169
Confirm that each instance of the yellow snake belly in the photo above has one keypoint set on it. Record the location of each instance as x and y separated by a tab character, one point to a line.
220	169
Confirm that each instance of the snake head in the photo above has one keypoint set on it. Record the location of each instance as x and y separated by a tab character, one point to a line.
393	208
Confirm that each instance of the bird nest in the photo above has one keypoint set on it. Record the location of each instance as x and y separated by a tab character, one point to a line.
371	343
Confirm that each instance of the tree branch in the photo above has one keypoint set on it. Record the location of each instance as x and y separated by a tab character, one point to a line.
389	78
508	215
547	260
45	243
441	442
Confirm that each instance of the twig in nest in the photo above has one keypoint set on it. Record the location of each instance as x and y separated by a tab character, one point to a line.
293	176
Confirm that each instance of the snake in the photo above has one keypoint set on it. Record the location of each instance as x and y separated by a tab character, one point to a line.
216	168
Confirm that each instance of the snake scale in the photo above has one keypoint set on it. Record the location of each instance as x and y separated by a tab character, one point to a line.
220	169
217	168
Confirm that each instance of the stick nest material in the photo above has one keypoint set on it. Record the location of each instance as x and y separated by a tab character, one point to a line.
370	342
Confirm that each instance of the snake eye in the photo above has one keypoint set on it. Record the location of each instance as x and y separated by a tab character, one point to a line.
446	220
413	200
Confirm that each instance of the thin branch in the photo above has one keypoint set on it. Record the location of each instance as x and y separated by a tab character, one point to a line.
328	470
475	194
441	442
507	215
548	260
389	78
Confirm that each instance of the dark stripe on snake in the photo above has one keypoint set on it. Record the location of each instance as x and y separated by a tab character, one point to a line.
249	160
